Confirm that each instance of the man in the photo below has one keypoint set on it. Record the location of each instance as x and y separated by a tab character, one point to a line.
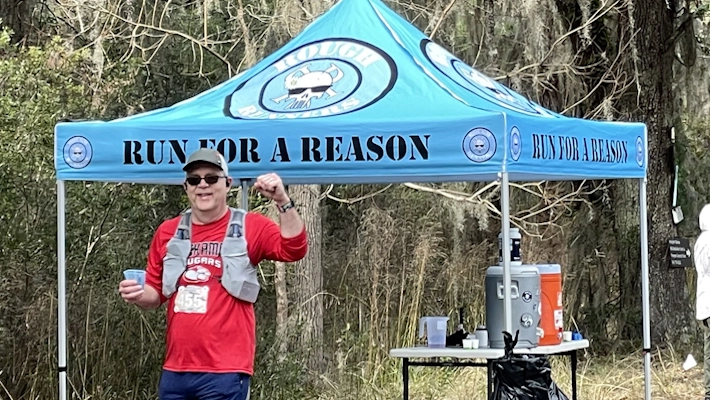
702	265
211	330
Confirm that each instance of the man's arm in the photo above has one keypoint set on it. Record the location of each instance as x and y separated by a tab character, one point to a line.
271	186
290	221
286	242
150	299
266	240
146	298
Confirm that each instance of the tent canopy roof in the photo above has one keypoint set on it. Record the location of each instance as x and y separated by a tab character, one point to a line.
359	96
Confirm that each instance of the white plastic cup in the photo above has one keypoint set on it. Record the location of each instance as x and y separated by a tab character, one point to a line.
137	275
567	336
468	343
474	343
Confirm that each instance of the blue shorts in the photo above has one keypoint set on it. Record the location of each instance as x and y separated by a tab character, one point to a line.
203	386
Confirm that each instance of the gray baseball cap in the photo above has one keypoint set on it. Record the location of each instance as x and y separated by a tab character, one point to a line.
209	156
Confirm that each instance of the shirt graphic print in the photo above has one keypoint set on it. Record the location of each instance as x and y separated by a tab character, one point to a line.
203	264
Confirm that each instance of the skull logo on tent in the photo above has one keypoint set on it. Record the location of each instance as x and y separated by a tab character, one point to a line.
479	145
77	152
304	85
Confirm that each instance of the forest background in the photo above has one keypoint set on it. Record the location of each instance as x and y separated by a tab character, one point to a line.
381	256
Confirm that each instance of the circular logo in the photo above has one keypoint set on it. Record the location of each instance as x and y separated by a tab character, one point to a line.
319	79
515	144
527	297
479	145
77	152
526	320
639	151
477	83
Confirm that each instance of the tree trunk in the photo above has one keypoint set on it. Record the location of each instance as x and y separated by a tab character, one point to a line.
97	54
309	278
670	307
626	232
283	324
281	309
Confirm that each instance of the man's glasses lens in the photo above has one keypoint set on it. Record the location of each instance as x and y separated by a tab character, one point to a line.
195	180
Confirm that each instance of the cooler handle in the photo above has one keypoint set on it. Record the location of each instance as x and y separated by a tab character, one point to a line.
513	290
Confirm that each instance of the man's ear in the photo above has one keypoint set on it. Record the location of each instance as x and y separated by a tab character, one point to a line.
184	186
229	181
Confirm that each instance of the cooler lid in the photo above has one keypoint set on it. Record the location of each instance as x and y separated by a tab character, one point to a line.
515	270
549	268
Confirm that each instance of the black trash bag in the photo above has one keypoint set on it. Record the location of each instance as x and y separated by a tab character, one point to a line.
523	376
556	393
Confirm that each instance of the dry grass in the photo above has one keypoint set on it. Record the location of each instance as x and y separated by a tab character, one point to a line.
608	378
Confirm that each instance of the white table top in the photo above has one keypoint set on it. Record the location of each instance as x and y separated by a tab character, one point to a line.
556	349
487	353
454	352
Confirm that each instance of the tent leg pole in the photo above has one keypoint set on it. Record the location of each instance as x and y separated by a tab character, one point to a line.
245	194
61	291
643	227
505	229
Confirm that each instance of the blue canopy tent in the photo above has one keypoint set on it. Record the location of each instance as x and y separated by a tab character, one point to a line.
359	96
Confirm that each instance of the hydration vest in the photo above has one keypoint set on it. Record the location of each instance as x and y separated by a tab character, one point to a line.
239	277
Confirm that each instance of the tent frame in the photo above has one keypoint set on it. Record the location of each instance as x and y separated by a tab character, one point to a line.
505	228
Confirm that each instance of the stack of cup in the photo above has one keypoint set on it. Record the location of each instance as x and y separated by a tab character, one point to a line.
471	342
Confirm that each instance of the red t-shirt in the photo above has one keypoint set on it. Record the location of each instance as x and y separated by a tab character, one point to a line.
209	330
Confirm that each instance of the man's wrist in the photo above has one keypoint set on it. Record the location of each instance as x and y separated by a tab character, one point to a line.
285	205
282	202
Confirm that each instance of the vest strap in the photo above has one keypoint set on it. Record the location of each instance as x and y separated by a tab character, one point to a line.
236	224
239	277
183	230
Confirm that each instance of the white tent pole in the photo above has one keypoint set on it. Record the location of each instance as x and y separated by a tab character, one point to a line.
245	194
643	227
61	291
505	229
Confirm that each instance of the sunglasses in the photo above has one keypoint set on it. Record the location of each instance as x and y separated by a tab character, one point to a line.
210	179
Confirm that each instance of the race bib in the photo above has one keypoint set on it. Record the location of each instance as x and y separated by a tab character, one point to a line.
191	299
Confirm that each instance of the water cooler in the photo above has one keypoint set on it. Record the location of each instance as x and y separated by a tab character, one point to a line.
524	294
525	305
551	309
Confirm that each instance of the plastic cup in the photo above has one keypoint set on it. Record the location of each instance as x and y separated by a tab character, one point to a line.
467	343
567	336
137	275
474	343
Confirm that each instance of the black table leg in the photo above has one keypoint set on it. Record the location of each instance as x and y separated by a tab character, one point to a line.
489	386
573	359
405	377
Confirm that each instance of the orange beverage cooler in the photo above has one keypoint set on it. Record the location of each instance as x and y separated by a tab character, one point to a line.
551	318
